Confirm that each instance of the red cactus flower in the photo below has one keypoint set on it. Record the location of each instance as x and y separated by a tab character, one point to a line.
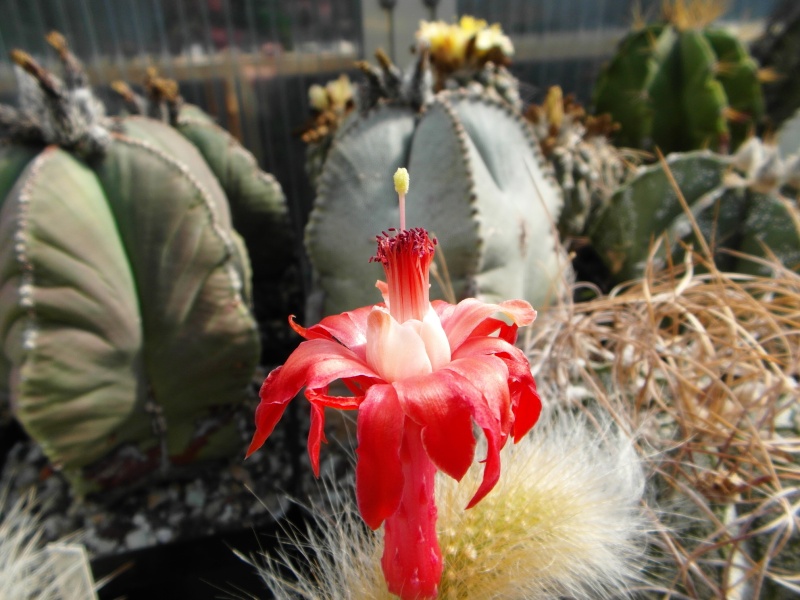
420	374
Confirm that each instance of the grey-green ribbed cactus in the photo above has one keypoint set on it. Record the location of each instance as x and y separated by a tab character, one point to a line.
127	341
735	202
478	182
257	203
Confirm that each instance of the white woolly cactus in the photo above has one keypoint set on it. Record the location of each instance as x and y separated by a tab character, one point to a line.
31	570
564	520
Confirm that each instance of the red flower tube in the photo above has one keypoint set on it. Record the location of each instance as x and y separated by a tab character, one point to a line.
421	374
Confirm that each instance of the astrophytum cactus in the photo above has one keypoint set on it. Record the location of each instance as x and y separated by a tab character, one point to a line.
735	203
127	341
257	204
681	85
481	187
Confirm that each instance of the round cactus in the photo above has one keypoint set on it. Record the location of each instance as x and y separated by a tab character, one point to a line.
480	185
127	337
680	85
257	204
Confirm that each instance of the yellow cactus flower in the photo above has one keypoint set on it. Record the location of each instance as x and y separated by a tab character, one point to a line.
469	43
340	92
318	98
491	38
446	43
470	25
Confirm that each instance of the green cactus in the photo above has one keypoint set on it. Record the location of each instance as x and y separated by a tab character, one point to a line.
478	182
680	85
127	342
257	204
733	200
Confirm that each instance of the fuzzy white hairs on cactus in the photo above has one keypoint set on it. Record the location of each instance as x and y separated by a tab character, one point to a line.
564	520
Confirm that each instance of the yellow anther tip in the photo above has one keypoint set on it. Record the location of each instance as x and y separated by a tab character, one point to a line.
401	181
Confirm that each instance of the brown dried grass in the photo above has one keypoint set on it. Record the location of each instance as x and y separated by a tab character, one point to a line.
703	368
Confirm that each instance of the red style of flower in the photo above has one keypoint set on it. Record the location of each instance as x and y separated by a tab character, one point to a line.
421	373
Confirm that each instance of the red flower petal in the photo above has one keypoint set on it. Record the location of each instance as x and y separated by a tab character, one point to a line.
267	414
525	402
316	435
489	376
491	326
491	410
349	328
439	403
491	468
314	364
459	322
379	473
486	346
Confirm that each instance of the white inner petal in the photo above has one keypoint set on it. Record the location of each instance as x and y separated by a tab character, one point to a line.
435	340
400	350
396	351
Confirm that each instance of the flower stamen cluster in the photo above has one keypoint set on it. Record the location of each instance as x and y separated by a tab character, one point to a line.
406	257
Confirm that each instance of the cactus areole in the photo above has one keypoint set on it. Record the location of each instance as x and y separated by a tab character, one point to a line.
421	373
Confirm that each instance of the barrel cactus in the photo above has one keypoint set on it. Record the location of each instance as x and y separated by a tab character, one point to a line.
587	166
681	85
480	185
258	206
127	341
735	202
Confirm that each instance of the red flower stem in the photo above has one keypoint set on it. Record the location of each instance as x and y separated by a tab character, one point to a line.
412	560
